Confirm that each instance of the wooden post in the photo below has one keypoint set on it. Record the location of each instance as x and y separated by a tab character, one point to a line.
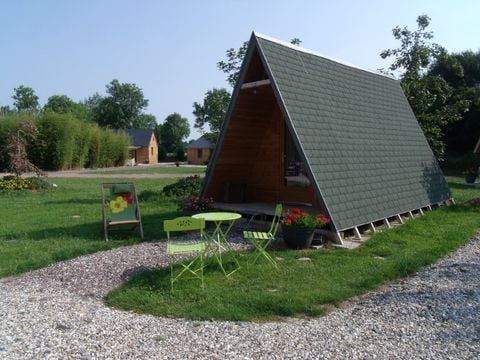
358	236
372	227
399	218
339	238
387	223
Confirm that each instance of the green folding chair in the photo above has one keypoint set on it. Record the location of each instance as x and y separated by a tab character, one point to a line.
177	247
120	208
261	240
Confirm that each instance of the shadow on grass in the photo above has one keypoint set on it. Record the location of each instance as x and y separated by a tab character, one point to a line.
461	186
76	201
146	196
152	227
460	208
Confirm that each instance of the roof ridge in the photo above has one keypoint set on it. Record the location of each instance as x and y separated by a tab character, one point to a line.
311	52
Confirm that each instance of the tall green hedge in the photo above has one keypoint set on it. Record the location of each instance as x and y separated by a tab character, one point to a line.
107	148
65	142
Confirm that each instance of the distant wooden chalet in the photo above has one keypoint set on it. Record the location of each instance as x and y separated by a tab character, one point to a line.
199	151
304	129
144	146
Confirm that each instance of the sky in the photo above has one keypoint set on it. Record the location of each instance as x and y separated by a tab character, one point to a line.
170	48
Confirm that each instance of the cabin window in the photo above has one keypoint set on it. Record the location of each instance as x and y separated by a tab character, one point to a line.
294	172
200	153
151	151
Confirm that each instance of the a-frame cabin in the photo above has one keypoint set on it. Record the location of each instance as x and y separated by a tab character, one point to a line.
305	129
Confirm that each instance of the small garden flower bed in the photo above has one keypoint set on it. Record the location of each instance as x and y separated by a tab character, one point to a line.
21	183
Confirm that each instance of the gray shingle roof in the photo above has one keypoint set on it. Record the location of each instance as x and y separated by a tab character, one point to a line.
361	140
200	143
140	137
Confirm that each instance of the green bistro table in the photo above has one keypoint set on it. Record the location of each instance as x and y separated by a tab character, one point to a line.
218	239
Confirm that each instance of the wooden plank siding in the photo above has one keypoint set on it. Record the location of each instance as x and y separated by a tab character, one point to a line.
147	154
252	152
194	159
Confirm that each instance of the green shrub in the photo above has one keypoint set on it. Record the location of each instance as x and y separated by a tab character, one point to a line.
94	147
109	148
57	133
191	185
39	183
82	145
69	143
65	140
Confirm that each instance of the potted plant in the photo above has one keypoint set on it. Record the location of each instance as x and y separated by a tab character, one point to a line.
471	174
193	204
298	227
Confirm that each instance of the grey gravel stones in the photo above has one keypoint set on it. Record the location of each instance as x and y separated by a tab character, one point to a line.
57	313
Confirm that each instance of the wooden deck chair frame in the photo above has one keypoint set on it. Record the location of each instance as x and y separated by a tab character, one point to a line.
262	240
185	247
109	222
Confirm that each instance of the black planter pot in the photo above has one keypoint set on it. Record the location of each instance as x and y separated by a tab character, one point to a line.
470	178
297	238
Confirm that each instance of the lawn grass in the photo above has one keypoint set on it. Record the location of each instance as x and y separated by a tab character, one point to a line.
156	170
39	228
306	288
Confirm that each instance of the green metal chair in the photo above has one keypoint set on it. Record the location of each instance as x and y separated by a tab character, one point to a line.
182	248
120	208
261	240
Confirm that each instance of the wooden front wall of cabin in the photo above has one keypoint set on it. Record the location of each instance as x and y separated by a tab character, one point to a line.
196	157
147	154
252	152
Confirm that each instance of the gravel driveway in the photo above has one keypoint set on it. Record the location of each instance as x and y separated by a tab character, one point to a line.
57	313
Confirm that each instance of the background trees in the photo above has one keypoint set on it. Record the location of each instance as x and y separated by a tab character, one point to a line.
174	130
211	112
429	94
62	104
25	99
462	72
122	106
145	121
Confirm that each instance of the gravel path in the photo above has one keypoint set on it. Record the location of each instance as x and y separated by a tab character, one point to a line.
57	313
